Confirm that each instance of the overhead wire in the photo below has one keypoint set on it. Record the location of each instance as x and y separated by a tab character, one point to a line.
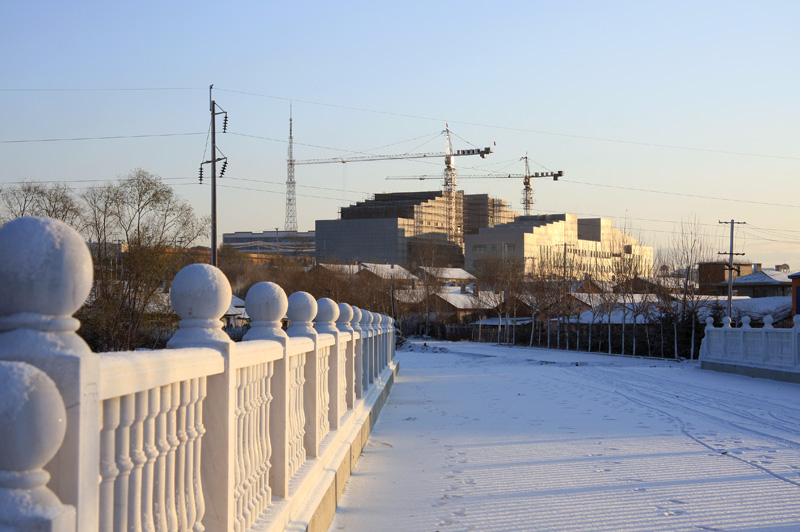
109	137
517	129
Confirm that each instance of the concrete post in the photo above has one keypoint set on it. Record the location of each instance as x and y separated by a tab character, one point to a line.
45	277
302	311
200	295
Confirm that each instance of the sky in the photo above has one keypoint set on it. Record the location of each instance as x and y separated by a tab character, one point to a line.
657	112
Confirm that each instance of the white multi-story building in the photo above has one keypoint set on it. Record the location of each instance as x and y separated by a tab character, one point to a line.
563	245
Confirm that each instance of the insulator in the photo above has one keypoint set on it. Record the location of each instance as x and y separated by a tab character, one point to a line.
224	166
225	124
201	174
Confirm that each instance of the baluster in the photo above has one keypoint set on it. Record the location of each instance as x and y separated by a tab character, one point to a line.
199	498
189	389
343	324
108	463
239	458
169	399
358	362
332	375
163	487
249	446
266	449
138	457
124	462
180	454
151	452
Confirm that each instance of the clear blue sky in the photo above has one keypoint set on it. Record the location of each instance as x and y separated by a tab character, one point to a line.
699	99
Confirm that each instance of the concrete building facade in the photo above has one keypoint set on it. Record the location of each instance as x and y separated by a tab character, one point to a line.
406	228
589	248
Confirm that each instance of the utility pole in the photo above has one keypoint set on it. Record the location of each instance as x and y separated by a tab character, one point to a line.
730	266
213	107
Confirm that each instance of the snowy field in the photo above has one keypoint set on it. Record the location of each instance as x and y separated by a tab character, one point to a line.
488	438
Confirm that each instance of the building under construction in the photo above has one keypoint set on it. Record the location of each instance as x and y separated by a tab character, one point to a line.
408	227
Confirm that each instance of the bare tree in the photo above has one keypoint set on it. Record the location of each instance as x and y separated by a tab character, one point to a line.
35	199
137	227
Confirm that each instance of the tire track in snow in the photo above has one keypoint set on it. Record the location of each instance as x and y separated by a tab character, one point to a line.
659	400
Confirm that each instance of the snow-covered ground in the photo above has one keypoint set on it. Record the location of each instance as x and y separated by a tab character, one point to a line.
488	438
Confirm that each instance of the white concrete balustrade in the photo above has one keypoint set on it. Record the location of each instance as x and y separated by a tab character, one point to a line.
763	352
205	435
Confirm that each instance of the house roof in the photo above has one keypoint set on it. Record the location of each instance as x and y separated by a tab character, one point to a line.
388	271
765	276
458	274
343	269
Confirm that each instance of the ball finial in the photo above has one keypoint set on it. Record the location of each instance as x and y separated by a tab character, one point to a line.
46	268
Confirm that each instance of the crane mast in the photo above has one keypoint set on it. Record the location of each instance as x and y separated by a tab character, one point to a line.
454	214
527	190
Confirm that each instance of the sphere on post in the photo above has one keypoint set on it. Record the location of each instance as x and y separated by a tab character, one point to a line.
46	268
266	304
200	295
327	314
301	313
345	317
33	423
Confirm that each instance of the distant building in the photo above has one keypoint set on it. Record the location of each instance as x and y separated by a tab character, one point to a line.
591	247
765	282
406	228
286	243
710	274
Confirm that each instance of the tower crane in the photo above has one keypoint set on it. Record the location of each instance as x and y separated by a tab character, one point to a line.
527	191
454	225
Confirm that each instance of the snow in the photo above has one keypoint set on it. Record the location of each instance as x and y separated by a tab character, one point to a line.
458	274
488	438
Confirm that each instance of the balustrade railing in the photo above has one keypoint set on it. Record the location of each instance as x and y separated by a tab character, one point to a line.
205	435
766	347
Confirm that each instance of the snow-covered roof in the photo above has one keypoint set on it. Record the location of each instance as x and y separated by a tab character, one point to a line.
343	269
458	274
409	296
453	296
779	307
466	301
765	276
388	271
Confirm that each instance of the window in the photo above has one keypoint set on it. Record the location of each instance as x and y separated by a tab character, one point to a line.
479	248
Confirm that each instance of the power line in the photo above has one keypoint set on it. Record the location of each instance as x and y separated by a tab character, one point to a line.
110	89
680	194
409	115
520	130
112	137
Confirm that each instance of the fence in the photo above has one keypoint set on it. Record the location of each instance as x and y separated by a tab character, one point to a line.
764	352
205	435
